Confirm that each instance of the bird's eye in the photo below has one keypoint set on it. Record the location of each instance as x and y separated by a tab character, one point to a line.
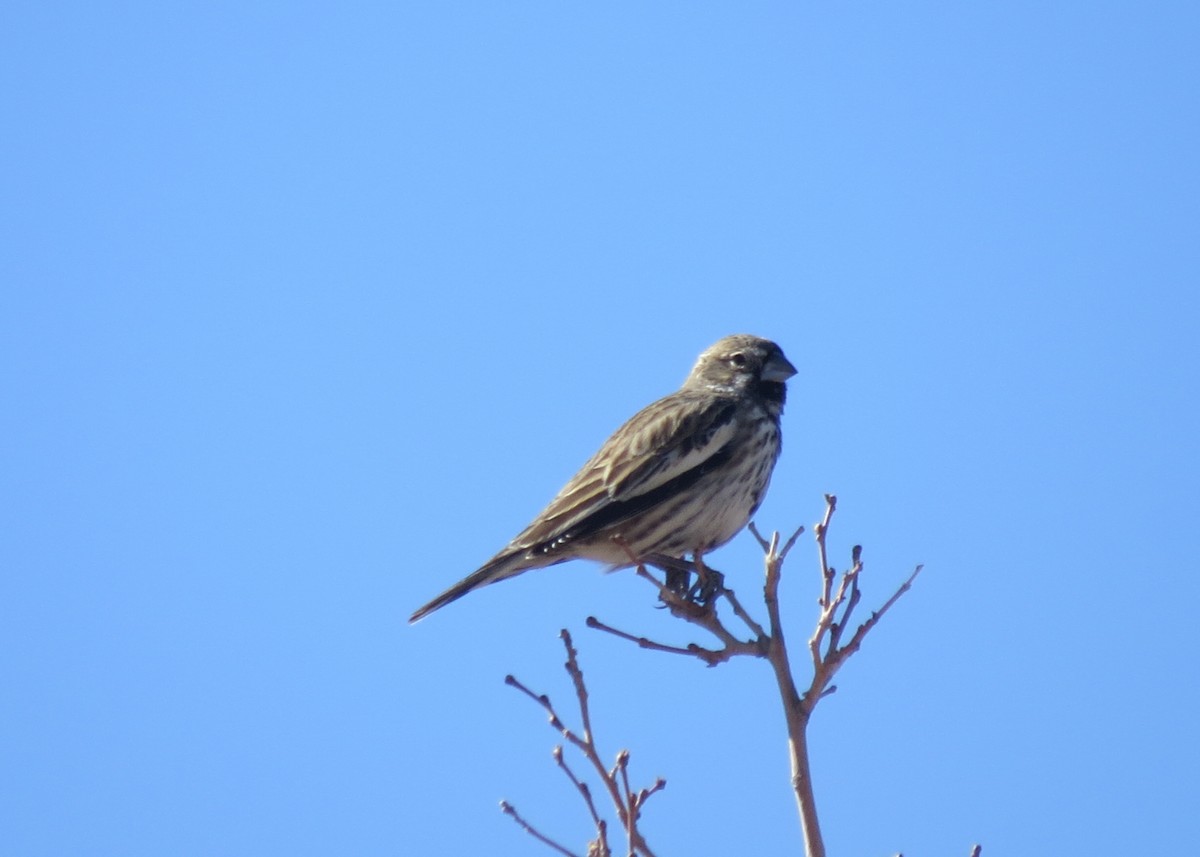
738	359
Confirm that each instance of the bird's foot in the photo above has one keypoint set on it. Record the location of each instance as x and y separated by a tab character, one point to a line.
709	584
678	580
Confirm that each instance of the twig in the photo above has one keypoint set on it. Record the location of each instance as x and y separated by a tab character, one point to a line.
588	745
622	768
796	714
741	613
836	628
821	530
658	786
511	811
856	641
762	542
703	616
826	650
710	656
626	802
586	793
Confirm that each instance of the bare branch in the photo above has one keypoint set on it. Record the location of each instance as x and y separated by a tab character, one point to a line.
712	657
703	616
586	793
821	530
741	613
658	786
791	542
581	693
625	801
511	811
838	597
541	700
857	639
796	713
588	745
763	543
622	768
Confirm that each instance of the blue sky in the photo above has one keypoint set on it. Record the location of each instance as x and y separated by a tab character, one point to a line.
308	310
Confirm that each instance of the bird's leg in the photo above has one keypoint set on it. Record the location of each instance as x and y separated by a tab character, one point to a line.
709	584
678	573
679	580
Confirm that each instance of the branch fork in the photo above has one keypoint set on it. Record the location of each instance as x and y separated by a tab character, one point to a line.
625	801
698	605
839	596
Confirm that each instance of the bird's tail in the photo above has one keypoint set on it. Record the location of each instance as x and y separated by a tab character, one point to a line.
504	565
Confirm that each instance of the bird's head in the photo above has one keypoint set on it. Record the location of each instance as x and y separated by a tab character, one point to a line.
743	364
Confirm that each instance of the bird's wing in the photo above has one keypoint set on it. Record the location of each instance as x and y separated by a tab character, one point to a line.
669	440
658	452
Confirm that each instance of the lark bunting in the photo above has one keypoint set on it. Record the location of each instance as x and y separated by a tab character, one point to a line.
684	475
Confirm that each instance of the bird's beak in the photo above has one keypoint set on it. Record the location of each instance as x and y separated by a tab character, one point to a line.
777	368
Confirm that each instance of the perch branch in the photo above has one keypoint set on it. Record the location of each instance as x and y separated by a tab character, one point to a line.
837	599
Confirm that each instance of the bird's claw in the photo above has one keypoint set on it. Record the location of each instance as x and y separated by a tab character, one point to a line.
678	581
709	583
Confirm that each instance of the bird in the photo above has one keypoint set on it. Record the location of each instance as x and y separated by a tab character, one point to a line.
682	476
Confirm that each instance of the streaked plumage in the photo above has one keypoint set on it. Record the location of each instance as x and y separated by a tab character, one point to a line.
683	476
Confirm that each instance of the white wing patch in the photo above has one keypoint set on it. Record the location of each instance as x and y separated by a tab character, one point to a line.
676	464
